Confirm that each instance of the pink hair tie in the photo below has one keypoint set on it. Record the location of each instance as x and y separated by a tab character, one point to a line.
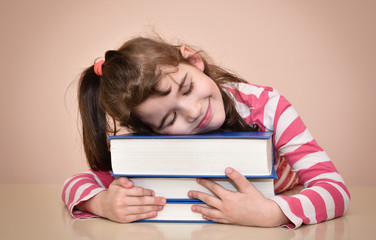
98	67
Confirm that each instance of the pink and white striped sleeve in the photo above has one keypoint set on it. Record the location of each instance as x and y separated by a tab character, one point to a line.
325	195
83	186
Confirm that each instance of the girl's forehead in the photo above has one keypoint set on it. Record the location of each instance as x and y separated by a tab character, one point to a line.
167	69
170	75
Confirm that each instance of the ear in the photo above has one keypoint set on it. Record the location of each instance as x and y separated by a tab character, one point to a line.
193	57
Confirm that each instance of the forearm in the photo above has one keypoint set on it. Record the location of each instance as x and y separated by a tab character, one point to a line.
274	216
93	205
80	188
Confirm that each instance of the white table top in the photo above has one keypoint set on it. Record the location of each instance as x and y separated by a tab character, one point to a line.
36	211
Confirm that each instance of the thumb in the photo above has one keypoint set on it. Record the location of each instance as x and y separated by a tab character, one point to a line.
123	182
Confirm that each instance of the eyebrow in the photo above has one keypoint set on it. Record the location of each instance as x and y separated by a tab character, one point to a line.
182	82
181	85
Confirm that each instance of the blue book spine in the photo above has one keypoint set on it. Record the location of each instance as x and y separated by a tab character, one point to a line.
272	175
175	221
224	135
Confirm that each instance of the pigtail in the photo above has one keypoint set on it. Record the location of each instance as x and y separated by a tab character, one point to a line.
94	124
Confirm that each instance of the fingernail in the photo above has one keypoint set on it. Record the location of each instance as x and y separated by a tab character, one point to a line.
228	170
190	194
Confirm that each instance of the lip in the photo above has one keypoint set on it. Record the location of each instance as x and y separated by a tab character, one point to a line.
205	120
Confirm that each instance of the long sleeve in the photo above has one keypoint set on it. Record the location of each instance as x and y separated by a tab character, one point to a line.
325	195
83	186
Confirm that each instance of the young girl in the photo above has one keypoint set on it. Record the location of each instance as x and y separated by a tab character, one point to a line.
151	87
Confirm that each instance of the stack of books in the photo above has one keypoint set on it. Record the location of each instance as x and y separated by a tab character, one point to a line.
170	164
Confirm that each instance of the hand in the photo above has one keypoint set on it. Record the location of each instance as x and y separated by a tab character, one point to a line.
123	202
248	206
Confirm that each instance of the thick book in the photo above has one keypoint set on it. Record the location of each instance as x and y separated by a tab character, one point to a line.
204	155
176	189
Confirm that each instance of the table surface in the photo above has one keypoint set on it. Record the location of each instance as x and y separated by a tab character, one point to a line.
36	211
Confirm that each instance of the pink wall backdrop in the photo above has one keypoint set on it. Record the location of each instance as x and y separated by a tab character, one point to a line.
319	54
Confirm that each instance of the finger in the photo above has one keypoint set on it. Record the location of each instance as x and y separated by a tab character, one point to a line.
218	220
145	200
132	210
240	181
136	217
123	182
212	186
206	198
208	213
139	191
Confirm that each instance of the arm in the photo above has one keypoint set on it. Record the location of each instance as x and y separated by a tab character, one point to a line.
325	195
92	194
82	187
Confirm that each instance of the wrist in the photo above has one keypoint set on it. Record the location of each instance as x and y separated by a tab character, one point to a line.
275	216
92	205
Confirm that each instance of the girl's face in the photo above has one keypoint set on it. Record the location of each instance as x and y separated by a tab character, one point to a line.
193	105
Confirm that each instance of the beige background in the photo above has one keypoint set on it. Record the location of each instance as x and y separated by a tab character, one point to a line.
321	55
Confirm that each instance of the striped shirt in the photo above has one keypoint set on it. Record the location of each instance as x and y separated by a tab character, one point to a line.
299	158
299	161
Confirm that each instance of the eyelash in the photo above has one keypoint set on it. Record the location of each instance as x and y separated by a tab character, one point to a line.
189	90
185	94
173	120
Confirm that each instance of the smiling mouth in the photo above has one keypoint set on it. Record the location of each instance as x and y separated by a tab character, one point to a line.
205	120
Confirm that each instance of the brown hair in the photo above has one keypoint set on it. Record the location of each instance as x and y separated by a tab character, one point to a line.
130	75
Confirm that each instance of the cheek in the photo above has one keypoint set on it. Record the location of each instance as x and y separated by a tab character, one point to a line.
204	90
179	127
150	120
212	87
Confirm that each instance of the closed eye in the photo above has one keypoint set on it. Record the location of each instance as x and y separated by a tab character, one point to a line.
189	89
163	124
172	121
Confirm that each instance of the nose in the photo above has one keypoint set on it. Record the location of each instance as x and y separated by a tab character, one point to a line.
192	110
